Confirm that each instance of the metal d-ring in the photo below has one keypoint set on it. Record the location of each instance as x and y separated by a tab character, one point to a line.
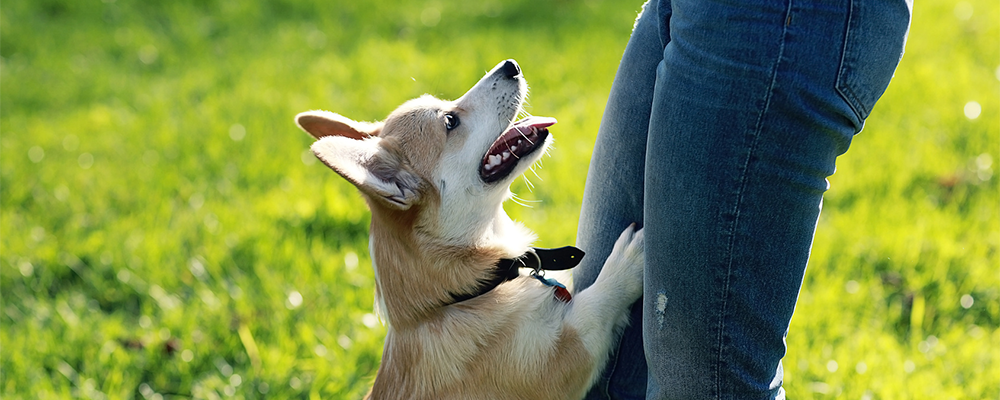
537	271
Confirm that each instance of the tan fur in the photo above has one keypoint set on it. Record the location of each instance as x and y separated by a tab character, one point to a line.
414	305
516	341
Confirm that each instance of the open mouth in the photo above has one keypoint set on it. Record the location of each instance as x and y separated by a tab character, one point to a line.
522	139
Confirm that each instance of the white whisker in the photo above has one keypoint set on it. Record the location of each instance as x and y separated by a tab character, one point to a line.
523	202
518	202
536	174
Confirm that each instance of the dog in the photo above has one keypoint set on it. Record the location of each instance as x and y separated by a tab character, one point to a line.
462	323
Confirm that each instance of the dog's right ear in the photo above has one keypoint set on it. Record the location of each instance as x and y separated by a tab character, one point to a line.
373	170
353	150
320	124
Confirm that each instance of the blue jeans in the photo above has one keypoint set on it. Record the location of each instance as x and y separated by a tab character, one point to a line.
724	121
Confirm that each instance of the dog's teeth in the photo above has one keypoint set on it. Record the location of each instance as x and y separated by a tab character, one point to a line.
506	155
514	148
495	160
487	166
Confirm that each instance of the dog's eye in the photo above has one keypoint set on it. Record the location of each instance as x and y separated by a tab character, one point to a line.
450	121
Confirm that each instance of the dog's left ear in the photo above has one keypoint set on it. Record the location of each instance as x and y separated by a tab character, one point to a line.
320	124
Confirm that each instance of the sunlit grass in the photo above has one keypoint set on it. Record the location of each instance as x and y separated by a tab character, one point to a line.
163	231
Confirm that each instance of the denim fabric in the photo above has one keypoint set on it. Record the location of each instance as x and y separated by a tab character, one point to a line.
724	121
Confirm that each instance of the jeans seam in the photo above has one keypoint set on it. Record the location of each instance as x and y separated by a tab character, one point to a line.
844	89
612	365
758	127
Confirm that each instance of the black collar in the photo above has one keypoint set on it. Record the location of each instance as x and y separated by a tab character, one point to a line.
537	259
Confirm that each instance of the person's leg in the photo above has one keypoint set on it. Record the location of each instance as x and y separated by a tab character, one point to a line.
745	127
613	196
748	115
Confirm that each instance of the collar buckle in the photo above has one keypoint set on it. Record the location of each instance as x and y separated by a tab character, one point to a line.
538	259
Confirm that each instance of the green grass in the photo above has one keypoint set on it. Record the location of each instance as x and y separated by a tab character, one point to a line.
164	233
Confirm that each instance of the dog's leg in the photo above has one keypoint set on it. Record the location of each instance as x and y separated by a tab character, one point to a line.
600	312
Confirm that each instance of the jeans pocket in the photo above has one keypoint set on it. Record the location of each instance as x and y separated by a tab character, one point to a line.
873	45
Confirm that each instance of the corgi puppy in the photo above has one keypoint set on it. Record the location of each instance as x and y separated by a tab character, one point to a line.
462	323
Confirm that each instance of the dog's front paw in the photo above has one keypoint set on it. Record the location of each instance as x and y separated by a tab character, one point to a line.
624	266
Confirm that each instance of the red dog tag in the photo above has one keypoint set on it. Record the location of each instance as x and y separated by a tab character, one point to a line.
560	290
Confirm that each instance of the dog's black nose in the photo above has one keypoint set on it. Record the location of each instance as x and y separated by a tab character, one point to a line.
510	69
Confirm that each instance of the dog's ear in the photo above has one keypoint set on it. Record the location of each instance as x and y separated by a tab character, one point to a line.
375	171
320	124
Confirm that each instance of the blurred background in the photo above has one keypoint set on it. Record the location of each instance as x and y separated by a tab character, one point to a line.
164	232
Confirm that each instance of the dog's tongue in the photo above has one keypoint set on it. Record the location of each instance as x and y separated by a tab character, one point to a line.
534	122
524	137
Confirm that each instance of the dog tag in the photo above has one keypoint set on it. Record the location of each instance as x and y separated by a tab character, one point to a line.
561	292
